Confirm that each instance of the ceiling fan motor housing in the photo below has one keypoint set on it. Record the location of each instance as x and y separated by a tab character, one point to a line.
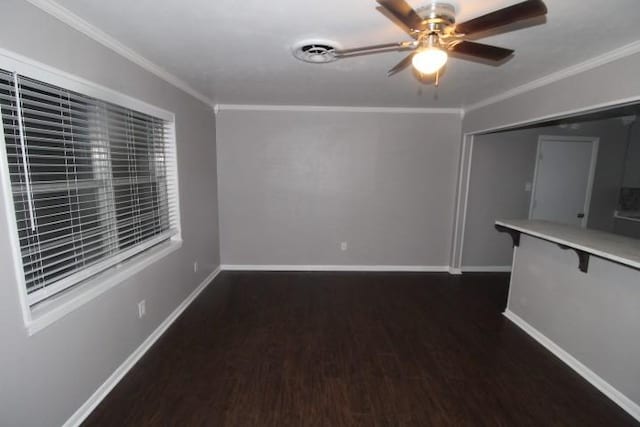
438	16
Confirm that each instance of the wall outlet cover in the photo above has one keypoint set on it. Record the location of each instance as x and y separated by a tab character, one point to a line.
142	308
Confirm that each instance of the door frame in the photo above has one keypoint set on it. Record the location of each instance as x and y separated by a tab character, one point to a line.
595	143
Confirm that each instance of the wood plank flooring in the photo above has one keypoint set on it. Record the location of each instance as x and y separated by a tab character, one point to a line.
350	349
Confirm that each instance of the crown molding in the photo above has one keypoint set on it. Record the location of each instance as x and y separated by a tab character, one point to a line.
79	24
622	52
336	109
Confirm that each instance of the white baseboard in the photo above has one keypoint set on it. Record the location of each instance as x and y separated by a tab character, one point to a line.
486	268
455	271
607	389
87	407
381	268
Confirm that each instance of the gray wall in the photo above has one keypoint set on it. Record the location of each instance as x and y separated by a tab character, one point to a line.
609	172
502	163
46	377
293	185
593	317
631	179
614	82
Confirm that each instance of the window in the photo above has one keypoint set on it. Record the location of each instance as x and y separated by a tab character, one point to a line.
92	182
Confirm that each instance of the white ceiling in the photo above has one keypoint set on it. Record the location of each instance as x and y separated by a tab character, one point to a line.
239	52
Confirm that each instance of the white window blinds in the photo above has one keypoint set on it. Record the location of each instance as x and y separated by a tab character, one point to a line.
92	182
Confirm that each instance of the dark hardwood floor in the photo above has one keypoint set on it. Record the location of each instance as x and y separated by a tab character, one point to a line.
348	349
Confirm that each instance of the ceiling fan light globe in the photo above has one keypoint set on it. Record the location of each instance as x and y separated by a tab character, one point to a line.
429	60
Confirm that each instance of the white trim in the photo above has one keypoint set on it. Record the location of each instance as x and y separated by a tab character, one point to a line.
455	271
337	109
453	256
620	216
272	267
462	201
595	141
607	389
91	31
90	404
176	177
486	269
56	308
622	52
465	207
511	278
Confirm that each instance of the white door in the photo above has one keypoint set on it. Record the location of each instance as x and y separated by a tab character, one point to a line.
563	179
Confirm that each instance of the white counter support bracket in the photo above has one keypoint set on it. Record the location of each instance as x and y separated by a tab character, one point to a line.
583	257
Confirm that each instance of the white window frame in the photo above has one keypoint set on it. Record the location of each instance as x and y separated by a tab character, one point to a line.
52	309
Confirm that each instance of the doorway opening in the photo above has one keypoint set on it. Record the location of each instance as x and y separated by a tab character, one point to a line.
589	177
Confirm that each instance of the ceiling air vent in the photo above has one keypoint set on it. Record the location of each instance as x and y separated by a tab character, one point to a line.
315	51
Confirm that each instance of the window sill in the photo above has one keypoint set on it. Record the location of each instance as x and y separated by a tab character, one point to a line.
50	311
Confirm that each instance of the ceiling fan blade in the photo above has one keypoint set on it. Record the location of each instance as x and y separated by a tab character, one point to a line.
403	12
517	12
479	50
374	48
401	65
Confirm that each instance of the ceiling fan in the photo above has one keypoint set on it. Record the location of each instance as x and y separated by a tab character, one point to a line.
436	34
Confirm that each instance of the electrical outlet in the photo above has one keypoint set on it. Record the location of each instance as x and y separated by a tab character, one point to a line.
195	266
142	308
528	186
343	246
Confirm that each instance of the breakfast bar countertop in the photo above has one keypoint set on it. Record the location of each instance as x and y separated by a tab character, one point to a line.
619	249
